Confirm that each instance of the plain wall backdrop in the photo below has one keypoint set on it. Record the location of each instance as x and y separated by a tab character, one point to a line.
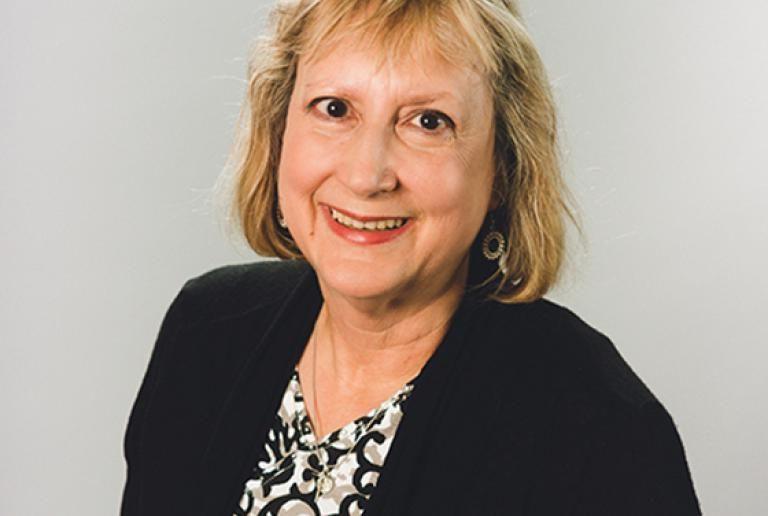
116	119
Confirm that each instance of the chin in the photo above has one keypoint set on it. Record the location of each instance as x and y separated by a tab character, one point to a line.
358	282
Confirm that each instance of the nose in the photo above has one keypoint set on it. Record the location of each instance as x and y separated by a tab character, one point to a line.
369	168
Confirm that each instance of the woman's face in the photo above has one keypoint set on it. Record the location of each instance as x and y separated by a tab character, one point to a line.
386	172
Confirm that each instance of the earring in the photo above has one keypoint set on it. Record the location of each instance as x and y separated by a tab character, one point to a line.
494	243
280	219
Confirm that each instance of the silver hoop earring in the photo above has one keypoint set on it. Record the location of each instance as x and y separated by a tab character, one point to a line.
494	243
280	219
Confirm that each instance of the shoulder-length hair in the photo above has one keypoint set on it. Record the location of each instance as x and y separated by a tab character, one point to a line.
488	35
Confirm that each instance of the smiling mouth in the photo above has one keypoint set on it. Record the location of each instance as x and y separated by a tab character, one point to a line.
384	224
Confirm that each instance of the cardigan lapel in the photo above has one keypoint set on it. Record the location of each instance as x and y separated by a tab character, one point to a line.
255	396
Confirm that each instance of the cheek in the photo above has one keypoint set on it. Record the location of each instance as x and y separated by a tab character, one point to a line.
294	177
307	159
295	183
451	187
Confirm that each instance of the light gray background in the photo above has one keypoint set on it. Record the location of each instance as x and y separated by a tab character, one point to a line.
115	120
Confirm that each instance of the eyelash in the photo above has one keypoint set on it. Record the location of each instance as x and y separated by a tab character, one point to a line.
442	116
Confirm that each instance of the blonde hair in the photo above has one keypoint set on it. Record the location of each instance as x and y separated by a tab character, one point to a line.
490	35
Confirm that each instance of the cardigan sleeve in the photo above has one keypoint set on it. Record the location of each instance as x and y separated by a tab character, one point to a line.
131	504
638	468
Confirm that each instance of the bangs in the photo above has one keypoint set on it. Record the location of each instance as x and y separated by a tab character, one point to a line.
399	30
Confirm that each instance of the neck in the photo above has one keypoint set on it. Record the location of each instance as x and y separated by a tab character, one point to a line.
387	341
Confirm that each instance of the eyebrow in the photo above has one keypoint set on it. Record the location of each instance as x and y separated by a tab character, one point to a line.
411	100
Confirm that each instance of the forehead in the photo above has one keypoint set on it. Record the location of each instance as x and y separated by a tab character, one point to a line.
347	61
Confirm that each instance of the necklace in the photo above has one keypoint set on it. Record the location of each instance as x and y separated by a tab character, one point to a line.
324	481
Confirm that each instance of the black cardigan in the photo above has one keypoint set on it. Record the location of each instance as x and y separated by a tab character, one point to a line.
523	409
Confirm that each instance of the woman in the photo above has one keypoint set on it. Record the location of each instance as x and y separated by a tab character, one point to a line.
400	157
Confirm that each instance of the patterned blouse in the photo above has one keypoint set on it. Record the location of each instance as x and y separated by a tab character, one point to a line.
296	475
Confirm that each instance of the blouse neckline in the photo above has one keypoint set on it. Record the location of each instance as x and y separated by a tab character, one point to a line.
350	431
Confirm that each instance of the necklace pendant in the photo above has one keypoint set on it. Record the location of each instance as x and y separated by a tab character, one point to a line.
324	483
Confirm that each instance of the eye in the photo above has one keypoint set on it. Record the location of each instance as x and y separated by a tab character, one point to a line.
431	121
331	107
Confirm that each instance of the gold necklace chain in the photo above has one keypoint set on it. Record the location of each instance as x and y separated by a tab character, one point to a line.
324	482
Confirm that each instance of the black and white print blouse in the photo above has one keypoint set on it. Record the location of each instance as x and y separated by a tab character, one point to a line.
287	479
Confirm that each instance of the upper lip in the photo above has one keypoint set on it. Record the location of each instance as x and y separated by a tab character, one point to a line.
364	218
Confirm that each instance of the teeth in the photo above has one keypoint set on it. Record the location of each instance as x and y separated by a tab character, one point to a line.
371	225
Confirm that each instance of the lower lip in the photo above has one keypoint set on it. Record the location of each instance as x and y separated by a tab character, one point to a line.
360	236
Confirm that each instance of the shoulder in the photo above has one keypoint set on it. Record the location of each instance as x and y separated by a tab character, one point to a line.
566	357
570	404
235	289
